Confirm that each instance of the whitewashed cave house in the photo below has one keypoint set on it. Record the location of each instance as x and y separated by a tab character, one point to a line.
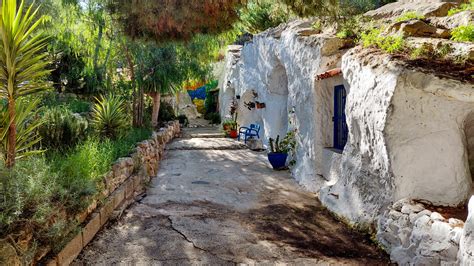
370	130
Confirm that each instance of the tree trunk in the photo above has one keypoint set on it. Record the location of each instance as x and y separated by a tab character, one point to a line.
134	87
156	96
11	149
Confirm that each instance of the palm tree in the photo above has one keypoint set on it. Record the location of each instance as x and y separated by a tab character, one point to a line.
23	64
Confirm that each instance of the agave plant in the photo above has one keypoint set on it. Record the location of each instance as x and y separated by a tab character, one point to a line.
23	61
108	116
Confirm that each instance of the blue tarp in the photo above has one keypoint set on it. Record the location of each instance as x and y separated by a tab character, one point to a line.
199	93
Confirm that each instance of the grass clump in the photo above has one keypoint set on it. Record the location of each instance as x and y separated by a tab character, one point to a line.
409	16
463	33
461	8
388	43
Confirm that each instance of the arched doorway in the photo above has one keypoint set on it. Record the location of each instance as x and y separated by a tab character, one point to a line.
275	114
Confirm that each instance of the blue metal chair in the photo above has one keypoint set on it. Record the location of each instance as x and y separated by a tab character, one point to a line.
248	132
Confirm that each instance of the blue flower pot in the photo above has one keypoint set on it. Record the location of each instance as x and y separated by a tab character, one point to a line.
277	160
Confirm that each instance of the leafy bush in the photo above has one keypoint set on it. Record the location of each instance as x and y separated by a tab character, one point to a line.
461	8
210	103
388	43
31	198
261	15
215	118
409	16
41	189
109	117
166	112
463	33
61	128
68	101
183	120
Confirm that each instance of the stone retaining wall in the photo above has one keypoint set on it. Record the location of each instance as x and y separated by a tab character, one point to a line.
127	179
414	235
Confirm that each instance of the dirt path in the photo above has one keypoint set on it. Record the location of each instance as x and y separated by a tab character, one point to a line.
214	202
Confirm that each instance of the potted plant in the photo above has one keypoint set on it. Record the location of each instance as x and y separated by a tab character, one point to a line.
227	124
260	105
279	150
233	133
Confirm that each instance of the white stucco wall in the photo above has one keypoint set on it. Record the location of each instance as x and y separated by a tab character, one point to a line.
280	66
406	138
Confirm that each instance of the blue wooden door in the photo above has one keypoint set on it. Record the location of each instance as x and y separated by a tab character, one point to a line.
340	126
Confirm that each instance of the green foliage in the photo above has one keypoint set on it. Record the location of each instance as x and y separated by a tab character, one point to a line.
210	103
27	193
183	120
332	10
86	48
167	112
61	129
388	43
260	15
175	20
26	128
421	51
287	145
68	101
108	116
40	188
215	118
461	8
24	67
463	33
409	16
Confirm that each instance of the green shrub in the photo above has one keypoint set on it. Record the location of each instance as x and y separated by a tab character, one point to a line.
261	15
421	51
461	8
78	106
109	117
183	120
463	33
72	103
61	128
388	43
32	198
215	118
166	112
409	16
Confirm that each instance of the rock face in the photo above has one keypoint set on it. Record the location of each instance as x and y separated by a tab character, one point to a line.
278	68
414	235
427	8
400	122
466	250
419	28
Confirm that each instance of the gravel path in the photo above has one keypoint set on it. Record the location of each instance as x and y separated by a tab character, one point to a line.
220	204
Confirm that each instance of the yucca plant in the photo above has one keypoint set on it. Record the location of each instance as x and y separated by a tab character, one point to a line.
26	124
23	62
108	116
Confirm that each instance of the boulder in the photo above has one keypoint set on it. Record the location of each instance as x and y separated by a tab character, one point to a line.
456	20
419	28
427	8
